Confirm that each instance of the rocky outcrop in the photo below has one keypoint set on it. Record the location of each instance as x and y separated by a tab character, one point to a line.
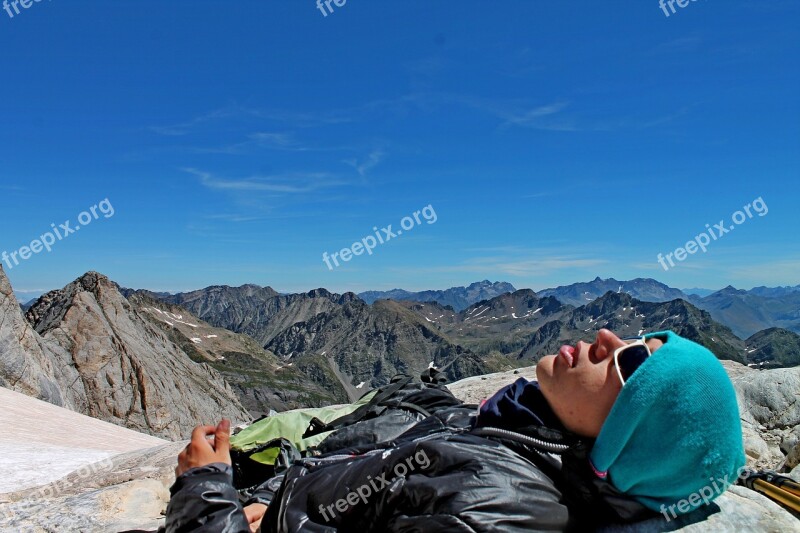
86	347
769	401
32	365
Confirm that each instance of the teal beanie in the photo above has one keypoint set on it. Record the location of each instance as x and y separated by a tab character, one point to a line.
674	431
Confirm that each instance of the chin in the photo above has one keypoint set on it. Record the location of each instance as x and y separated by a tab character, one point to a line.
544	368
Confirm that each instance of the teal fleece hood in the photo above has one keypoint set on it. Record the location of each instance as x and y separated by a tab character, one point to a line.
674	428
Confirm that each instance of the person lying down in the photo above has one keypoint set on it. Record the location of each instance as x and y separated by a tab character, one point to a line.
616	430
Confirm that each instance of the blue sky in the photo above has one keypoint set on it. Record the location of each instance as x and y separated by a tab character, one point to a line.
555	141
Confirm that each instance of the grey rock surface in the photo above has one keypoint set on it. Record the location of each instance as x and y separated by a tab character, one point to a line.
128	492
31	365
769	403
87	348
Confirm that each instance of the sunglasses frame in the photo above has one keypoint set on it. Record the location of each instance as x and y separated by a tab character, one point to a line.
637	341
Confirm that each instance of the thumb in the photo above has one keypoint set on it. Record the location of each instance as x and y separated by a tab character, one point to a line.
222	436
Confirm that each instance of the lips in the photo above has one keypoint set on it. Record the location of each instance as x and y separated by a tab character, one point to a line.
568	354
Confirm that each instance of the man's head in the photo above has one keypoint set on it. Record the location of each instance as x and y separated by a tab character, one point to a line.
581	383
671	431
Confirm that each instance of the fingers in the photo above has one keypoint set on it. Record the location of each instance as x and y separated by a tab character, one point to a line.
222	436
200	432
254	512
209	444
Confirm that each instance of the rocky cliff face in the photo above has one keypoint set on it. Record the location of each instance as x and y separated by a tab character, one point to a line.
110	362
769	401
32	365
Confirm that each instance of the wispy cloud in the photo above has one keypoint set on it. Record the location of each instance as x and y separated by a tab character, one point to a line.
365	165
258	141
539	117
188	126
299	183
248	115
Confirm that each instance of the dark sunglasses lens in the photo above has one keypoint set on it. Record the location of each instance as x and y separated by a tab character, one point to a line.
630	359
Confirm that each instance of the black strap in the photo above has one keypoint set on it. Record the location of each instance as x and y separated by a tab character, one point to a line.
368	410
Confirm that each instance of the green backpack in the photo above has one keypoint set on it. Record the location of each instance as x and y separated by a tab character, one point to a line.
299	433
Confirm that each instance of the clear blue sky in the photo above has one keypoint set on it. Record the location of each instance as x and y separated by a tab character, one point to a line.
555	141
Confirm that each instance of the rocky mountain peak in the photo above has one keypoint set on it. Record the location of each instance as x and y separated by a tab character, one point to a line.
100	356
319	293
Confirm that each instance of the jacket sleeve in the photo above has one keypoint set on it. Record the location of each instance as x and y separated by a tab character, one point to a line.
204	500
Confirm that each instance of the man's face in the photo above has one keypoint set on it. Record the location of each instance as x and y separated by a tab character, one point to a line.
581	384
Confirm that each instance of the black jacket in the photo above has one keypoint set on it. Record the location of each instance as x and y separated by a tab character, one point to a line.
445	473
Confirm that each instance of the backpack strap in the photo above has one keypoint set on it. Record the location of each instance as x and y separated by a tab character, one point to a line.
369	410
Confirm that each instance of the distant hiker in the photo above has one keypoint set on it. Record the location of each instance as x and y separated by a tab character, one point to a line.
612	431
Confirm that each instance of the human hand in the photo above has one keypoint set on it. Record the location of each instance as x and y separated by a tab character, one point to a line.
255	513
201	452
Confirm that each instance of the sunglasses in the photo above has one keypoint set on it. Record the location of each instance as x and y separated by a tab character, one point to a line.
628	358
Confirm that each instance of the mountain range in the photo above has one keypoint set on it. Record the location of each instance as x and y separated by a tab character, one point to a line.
338	341
644	289
458	298
161	363
747	312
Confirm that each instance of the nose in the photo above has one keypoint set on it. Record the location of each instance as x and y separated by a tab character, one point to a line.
605	344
